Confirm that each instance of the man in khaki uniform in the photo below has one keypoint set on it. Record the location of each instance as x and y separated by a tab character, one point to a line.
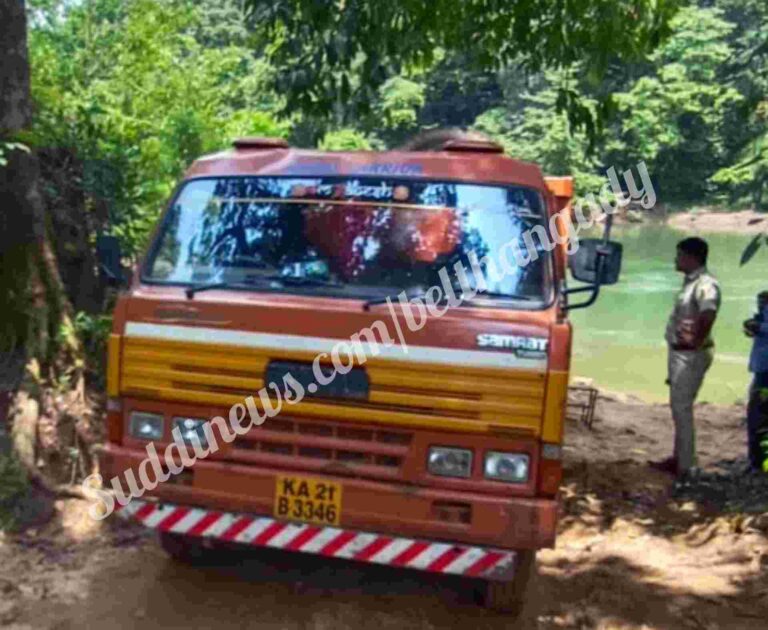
691	348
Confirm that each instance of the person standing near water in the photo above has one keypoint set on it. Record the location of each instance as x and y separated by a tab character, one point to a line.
690	349
757	409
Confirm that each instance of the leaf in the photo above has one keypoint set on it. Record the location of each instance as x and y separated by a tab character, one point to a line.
751	249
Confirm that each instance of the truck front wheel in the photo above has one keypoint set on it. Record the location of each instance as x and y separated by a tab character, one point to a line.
187	549
509	597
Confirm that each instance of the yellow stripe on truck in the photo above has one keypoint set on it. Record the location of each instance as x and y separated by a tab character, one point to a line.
477	400
113	366
554	407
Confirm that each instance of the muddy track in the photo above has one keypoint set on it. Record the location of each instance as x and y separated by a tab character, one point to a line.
631	554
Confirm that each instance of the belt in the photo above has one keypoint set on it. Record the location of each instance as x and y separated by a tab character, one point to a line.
680	347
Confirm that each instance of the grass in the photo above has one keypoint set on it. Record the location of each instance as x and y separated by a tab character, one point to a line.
13	486
712	205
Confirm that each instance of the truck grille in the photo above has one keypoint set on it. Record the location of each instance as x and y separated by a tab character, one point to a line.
337	447
402	395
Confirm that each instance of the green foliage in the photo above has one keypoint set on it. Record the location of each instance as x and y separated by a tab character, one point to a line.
397	108
89	332
537	132
400	101
7	147
677	113
325	45
136	89
457	92
93	331
132	92
13	486
749	175
254	123
345	140
752	248
745	177
674	118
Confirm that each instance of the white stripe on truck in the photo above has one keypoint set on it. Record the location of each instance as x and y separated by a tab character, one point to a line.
271	341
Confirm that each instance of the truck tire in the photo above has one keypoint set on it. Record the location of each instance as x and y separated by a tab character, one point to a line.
186	549
509	597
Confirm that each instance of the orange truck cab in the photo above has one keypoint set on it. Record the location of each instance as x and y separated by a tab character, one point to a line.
421	422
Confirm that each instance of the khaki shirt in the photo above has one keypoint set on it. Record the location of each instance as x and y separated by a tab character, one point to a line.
700	293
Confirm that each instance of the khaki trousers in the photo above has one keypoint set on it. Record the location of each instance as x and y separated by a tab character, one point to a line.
686	370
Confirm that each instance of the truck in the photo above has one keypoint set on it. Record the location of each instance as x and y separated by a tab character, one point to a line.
406	295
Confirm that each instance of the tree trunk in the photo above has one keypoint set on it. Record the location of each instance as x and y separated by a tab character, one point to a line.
32	297
34	308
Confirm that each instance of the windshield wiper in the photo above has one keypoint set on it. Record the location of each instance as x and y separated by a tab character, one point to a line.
383	300
302	281
288	281
206	286
506	296
462	299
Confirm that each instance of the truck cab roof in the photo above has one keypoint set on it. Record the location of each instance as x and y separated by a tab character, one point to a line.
471	161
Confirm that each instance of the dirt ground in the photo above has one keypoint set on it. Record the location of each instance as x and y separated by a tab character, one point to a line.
633	552
744	222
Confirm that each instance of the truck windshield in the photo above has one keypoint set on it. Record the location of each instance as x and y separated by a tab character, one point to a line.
349	237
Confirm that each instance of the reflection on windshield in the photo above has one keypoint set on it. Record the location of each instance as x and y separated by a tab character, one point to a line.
366	237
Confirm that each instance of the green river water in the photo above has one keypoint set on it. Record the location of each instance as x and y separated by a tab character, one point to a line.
619	341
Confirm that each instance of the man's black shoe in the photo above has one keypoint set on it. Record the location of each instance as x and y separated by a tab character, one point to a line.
668	465
687	479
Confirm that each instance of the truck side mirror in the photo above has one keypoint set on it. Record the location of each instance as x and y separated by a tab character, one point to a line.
109	258
594	253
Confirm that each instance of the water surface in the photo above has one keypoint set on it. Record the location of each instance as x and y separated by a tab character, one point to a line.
619	341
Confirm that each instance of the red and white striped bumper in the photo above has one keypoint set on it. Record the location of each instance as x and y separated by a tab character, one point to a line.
262	531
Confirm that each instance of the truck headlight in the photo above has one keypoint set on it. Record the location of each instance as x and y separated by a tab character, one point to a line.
449	462
510	467
191	430
147	426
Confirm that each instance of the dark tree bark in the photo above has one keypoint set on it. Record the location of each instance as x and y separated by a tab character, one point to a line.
15	107
32	299
33	304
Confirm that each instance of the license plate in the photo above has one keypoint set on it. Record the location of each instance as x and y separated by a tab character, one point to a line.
308	500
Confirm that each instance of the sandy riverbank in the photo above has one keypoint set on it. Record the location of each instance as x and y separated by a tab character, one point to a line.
743	222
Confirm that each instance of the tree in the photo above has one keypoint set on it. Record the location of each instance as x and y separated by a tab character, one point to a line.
33	301
457	92
134	91
674	117
32	297
324	46
675	111
746	172
345	140
396	111
531	128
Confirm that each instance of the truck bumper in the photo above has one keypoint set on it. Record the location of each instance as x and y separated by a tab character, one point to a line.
390	508
333	542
